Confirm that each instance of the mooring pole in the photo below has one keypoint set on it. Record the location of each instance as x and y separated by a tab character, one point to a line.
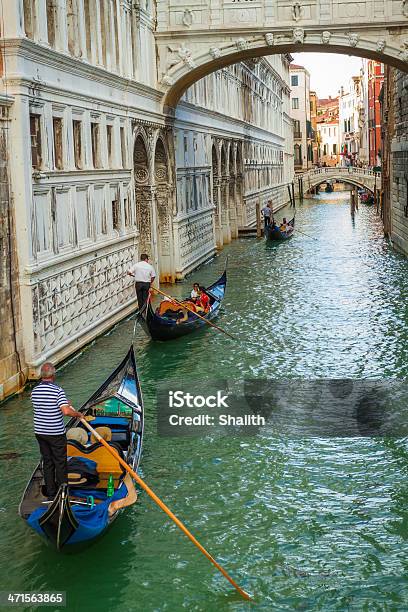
258	220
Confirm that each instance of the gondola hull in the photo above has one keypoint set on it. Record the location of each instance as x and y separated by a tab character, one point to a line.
79	515
275	234
163	328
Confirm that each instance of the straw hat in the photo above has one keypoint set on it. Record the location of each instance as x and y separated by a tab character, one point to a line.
74	478
78	435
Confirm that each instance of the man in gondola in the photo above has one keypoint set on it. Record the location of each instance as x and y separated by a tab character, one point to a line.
267	213
144	275
50	405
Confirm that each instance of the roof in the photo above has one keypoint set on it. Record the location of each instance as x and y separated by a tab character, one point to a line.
296	67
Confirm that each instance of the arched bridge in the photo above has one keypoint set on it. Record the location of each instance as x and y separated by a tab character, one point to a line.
360	177
196	38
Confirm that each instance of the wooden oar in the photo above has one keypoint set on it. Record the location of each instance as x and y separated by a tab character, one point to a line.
165	509
308	235
195	313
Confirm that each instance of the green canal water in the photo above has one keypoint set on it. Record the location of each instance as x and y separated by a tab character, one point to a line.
303	524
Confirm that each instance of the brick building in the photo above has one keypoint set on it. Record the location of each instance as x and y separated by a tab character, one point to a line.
375	78
393	101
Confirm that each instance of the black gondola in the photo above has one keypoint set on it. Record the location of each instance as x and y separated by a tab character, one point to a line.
274	233
98	486
165	327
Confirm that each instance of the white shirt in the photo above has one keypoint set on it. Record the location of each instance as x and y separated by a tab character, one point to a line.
143	272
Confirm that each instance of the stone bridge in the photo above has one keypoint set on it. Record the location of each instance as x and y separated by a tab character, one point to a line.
360	177
195	39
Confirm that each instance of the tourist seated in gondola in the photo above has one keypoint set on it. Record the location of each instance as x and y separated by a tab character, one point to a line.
284	225
195	291
203	300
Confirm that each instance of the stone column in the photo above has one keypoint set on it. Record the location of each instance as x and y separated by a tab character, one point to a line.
13	19
41	31
81	29
61	30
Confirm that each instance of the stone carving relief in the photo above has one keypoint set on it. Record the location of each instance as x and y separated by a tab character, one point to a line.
298	35
269	38
68	302
297	11
167	80
404	8
215	52
353	39
404	52
241	44
183	54
381	44
326	36
196	238
187	18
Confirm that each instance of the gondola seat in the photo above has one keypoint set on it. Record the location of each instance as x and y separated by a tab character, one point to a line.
118	426
106	463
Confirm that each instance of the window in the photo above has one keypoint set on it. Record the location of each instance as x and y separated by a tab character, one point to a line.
57	130
35	134
51	21
298	155
325	149
295	80
123	146
77	132
115	215
95	145
334	149
109	144
295	103
128	212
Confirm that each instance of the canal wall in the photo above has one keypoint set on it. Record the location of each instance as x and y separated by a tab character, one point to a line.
394	102
12	366
399	164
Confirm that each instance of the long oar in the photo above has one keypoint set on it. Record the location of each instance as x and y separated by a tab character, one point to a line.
308	235
165	509
172	299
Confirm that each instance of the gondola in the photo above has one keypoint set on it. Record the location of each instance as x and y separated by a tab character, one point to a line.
274	233
98	487
165	327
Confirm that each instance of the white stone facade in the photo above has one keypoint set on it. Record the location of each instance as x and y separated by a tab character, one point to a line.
99	173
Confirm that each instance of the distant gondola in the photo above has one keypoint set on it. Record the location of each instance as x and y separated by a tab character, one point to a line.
274	233
165	327
98	486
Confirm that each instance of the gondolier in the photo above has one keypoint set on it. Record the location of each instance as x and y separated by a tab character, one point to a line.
50	404
267	213
144	275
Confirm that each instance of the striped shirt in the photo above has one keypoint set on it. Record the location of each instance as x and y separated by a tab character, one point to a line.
47	400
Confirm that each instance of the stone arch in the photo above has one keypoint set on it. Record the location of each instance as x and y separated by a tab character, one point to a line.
143	194
375	42
163	199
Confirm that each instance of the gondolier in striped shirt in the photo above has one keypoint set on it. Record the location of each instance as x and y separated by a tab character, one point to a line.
50	405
